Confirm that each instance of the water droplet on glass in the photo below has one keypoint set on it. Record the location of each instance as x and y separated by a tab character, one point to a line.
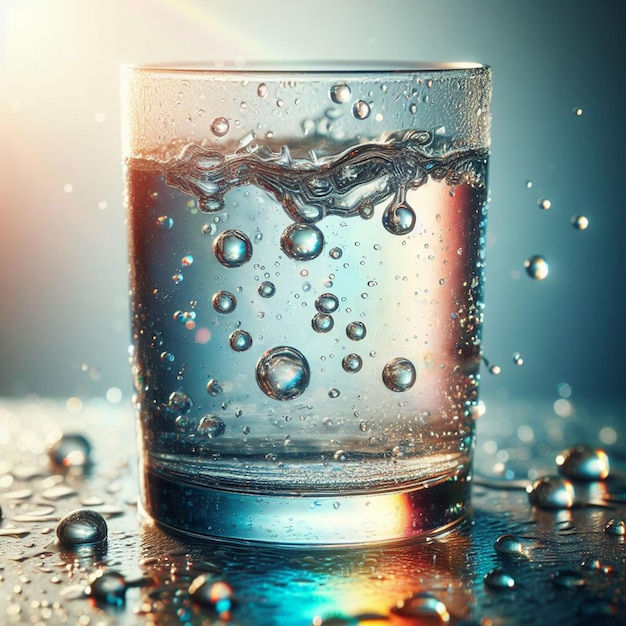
262	90
580	222
220	126
211	426
499	579
615	527
568	579
322	322
509	544
267	289
302	242
399	218
333	393
583	462
336	253
536	267
107	587
224	302
327	303
356	331
216	594
340	93
82	527
232	248
352	363
551	492
423	607
399	374
70	450
240	340
214	387
165	222
544	204
361	109
179	402
283	373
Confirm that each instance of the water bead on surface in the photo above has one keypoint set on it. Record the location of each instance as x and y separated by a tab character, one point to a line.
399	374
536	267
302	242
356	331
213	593
361	109
220	126
583	462
509	544
352	363
224	302
82	527
211	426
240	340
107	587
232	248
283	373
423	607
70	450
266	289
333	393
327	303
551	492
616	527
499	579
340	93
322	322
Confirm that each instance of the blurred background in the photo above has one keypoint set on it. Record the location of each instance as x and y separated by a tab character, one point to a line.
558	135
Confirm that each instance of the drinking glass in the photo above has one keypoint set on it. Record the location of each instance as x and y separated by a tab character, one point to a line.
306	275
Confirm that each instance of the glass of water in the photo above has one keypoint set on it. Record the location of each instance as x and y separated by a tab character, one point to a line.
306	272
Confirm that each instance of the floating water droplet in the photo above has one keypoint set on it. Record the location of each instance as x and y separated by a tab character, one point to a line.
615	527
499	579
70	450
82	527
216	594
240	340
232	248
327	303
399	374
267	289
322	322
424	607
220	126
536	267
509	544
356	331
583	462
107	587
302	242
214	387
580	222
361	110
399	218
211	426
551	492
340	93
544	204
167	357
224	302
283	373
352	363
333	393
336	253
179	402
165	222
518	359
568	579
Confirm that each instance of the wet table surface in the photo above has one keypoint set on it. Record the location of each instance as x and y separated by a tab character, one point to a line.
562	565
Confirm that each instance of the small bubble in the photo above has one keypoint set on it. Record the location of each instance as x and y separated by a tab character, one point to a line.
551	492
413	108
179	402
107	587
361	109
583	462
577	111
536	267
165	222
220	126
224	302
544	204
302	242
399	374
352	363
529	184
178	278
499	579
232	248
167	357
333	393
211	426
509	544
335	253
266	289
262	90
322	322
240	340
327	303
580	222
283	373
82	527
340	93
187	260
356	331
518	359
214	387
615	527
209	229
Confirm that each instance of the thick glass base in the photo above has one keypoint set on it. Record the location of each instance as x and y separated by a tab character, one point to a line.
306	519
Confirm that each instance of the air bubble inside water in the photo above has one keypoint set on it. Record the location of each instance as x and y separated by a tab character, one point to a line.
536	267
214	387
267	289
224	302
283	373
302	242
220	126
240	340
399	374
327	303
322	322
580	222
211	426
356	331
232	248
352	363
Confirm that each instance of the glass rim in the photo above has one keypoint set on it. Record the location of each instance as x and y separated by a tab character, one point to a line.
303	68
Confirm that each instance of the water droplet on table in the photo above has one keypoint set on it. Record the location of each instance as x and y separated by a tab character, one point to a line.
70	450
107	587
82	527
551	492
509	544
583	462
499	579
